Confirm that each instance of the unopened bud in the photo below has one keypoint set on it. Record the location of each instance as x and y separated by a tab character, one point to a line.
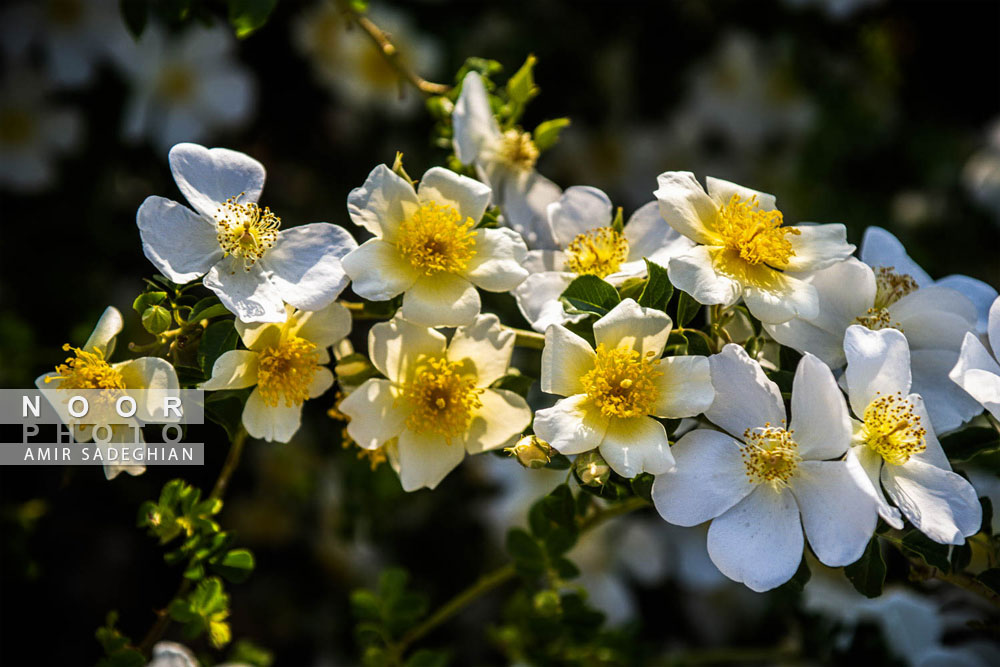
592	469
531	452
547	603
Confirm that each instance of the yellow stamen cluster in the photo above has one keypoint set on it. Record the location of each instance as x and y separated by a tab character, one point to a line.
86	370
877	318
245	230
516	150
599	252
756	235
435	239
623	382
770	455
286	370
443	399
893	429
892	286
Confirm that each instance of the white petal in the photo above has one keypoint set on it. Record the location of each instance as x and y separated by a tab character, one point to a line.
498	265
375	412
472	120
323	327
948	406
979	293
652	237
382	203
934	317
425	460
395	345
151	374
633	446
820	419
994	327
744	396
234	369
321	382
877	362
839	517
978	374
271	423
445	300
818	247
722	191
758	542
579	210
103	336
304	264
468	196
879	248
784	297
208	177
378	271
685	205
540	261
181	244
685	387
709	478
503	416
572	426
694	272
870	463
524	197
538	299
486	346
933	454
565	359
806	337
247	294
940	503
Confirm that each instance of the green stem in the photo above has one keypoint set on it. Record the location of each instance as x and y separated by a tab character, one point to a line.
390	53
712	344
962	580
524	338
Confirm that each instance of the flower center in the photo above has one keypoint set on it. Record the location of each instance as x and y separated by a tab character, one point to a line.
245	230
770	455
176	83
622	382
86	370
443	399
599	252
435	239
287	370
17	127
891	428
890	286
756	235
516	150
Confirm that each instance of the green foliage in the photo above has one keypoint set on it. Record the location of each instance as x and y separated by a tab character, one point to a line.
245	652
204	610
245	16
219	338
118	651
248	16
546	133
657	291
868	573
156	319
179	510
687	308
971	442
385	614
590	294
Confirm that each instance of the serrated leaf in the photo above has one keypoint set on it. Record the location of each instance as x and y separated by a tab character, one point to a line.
868	573
658	290
591	294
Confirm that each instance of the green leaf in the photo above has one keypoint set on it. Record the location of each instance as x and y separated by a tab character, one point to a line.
987	515
590	294
365	605
245	652
219	338
529	559
868	573
802	576
658	290
135	13
236	565
687	308
147	299
225	408
156	319
427	658
547	133
205	311
515	382
565	568
970	442
642	486
521	86
247	16
932	553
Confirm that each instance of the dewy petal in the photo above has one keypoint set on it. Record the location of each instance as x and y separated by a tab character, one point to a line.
722	191
486	346
375	416
181	244
948	406
472	120
783	297
877	362
247	294
208	177
759	542
818	247
498	265
271	423
382	203
694	272
978	373
629	325
934	317
566	357
103	336
940	503
322	327
524	197
425	460
572	426
687	207
709	478
880	248
651	237
685	387
538	299
636	445
744	396
378	271
502	417
579	210
445	300
820	419
304	264
395	345
235	369
468	196
839	517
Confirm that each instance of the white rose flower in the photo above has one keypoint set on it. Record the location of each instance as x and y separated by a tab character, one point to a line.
763	482
895	442
614	392
435	404
505	161
428	248
743	248
586	244
285	362
976	370
247	260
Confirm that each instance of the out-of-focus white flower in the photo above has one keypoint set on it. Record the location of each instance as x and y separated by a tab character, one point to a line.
762	482
435	404
172	654
587	244
836	9
896	445
744	250
284	364
613	392
428	248
184	88
982	172
89	368
976	370
253	266
505	160
32	131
